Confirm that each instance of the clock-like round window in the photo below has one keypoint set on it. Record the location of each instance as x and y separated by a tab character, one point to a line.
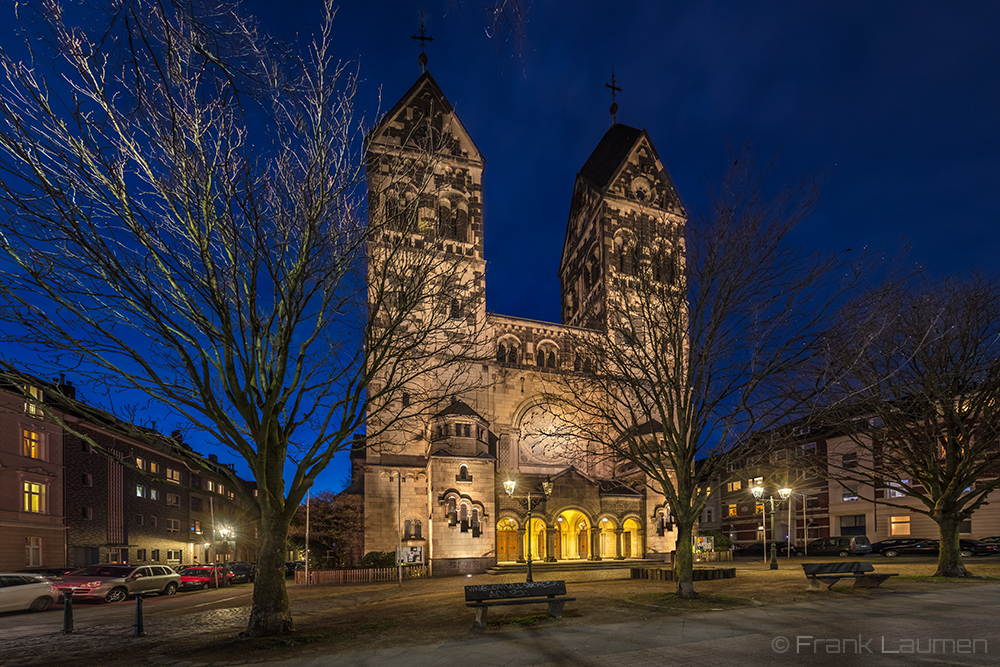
642	189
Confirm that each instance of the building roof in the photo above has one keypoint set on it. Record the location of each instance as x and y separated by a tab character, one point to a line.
613	149
459	409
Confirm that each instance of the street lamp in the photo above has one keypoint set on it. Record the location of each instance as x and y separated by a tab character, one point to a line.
758	493
547	489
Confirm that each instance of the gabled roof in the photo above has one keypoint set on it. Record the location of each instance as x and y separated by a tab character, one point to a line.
459	409
612	151
424	84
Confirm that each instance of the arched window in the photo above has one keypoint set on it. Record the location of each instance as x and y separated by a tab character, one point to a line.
452	515
417	529
501	353
540	358
463	517
463	472
550	359
475	522
407	527
512	355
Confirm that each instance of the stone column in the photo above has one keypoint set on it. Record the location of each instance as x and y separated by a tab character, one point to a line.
520	545
552	535
596	544
618	544
642	542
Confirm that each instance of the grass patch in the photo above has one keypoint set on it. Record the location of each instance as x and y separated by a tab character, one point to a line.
703	602
522	621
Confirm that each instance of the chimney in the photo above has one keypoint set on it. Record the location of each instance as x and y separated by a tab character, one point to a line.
213	458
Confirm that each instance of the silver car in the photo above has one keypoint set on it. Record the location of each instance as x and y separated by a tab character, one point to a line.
114	583
19	591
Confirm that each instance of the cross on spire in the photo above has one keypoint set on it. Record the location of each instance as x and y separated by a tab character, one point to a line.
615	89
423	38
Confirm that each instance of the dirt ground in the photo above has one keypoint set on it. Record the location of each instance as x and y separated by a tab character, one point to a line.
331	619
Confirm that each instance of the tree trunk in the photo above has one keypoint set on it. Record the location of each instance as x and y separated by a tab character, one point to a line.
949	556
270	613
684	566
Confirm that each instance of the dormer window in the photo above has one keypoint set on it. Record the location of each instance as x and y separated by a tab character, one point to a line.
33	400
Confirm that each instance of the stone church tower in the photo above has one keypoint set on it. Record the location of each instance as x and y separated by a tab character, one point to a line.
440	494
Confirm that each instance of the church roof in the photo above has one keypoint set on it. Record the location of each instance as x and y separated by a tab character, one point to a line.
613	149
459	409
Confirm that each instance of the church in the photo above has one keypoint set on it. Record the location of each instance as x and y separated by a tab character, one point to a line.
481	486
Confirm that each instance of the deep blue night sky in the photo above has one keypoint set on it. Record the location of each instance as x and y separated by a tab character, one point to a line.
898	103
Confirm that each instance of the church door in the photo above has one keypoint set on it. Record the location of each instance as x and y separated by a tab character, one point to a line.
582	544
627	545
506	545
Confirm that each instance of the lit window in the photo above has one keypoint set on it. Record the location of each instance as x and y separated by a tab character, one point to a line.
759	509
154	467
140	463
899	525
734	486
732	510
173	500
154	494
32	444
196	527
34	497
895	489
211	485
140	491
850	492
32	551
173	475
220	489
756	481
33	400
230	495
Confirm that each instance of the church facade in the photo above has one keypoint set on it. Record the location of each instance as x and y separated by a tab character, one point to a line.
439	494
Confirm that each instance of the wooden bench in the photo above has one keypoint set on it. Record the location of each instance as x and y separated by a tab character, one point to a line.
830	573
496	595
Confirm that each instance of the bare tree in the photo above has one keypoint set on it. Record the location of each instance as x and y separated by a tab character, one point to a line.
183	221
704	325
335	527
919	401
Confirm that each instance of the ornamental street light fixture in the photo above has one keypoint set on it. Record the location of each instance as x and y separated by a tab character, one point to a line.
547	489
758	493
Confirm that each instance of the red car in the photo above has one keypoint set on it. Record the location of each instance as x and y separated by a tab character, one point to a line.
204	576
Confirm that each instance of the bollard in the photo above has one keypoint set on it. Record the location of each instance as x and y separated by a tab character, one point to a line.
68	610
139	632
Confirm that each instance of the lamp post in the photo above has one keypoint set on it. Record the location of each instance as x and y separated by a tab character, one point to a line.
547	489
758	493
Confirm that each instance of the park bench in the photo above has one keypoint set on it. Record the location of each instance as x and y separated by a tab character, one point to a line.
830	573
495	595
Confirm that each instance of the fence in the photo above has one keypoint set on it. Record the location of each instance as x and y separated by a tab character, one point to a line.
368	575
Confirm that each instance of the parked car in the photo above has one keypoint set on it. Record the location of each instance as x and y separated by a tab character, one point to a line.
205	576
293	565
20	591
967	548
114	583
843	546
991	540
882	546
758	549
243	572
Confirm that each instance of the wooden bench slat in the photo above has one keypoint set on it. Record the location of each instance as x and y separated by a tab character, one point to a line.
515	590
830	573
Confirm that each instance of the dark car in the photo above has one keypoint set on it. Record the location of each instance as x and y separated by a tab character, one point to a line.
759	549
843	546
967	549
882	546
243	572
293	565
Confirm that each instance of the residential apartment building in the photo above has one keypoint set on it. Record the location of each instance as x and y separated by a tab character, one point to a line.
90	493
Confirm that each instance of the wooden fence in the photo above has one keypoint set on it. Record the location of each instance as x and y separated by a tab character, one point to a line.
368	575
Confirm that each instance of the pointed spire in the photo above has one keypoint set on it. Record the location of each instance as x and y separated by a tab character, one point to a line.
423	38
615	89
